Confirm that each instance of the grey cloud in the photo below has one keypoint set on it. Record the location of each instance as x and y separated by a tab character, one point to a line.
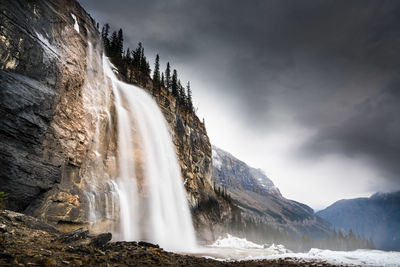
331	66
372	132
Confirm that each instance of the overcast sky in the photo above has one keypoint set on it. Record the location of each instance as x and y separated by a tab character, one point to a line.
308	91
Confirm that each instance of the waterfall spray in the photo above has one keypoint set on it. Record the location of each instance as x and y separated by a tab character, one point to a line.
148	188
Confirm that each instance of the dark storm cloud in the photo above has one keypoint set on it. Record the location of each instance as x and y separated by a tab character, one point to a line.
332	66
373	131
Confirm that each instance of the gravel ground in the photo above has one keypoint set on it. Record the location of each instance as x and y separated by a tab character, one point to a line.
26	241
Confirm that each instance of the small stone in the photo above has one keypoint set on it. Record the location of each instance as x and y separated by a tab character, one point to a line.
3	228
46	252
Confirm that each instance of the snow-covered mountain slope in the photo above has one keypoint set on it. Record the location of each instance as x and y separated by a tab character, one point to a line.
260	199
245	178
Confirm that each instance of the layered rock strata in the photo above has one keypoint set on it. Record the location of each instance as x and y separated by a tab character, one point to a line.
58	129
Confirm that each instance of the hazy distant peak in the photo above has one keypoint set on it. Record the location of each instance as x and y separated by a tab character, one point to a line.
246	177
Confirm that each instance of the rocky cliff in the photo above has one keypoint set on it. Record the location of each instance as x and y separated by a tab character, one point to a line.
43	119
259	199
56	133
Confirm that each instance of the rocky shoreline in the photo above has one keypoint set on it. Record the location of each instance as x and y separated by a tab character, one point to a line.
27	241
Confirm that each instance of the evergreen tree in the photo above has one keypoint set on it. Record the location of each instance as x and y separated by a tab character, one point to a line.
351	240
370	244
156	73
174	84
162	80
144	64
189	102
113	44
137	56
168	82
181	94
120	44
106	41
128	58
142	61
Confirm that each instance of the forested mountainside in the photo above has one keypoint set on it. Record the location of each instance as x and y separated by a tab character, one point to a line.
377	217
260	199
262	214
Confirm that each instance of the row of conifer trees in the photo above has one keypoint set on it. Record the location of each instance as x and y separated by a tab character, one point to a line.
134	65
261	232
264	233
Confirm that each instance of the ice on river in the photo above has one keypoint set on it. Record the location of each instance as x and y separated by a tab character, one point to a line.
235	248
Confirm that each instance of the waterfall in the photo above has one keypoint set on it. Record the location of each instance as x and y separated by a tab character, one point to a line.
146	196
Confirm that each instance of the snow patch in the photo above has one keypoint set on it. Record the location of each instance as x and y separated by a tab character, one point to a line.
217	161
361	257
235	248
76	25
234	242
278	249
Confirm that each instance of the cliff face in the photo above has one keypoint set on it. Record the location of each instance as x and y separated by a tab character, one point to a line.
259	199
191	141
43	119
54	120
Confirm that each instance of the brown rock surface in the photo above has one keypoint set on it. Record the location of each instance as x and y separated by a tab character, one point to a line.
48	118
24	243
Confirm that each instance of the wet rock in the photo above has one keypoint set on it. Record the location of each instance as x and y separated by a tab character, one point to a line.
3	228
101	240
149	245
29	221
74	235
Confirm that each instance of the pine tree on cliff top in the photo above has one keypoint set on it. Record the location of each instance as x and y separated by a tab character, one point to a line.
104	34
174	84
156	73
189	102
113	44
181	94
168	77
162	80
120	44
144	64
128	58
137	56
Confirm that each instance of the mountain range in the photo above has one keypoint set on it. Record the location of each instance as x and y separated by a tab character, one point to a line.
258	198
377	217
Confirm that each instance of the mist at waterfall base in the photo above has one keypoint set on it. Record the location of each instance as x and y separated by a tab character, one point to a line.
146	200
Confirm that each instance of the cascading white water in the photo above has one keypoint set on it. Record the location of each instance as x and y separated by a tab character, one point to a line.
148	187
